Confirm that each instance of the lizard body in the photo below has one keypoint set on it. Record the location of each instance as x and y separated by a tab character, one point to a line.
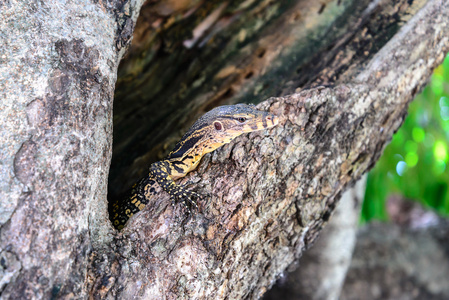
214	129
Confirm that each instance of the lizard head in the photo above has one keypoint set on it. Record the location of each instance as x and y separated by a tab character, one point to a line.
221	125
229	121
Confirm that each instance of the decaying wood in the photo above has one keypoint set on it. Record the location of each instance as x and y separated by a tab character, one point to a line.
268	194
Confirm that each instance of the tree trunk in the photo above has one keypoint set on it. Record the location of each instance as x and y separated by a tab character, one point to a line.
268	193
57	75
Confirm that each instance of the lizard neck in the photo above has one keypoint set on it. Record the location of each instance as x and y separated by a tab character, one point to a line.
180	166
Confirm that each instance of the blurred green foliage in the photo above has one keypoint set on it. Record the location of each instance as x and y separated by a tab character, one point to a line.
416	162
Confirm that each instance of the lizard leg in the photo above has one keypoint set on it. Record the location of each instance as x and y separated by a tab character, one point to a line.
161	173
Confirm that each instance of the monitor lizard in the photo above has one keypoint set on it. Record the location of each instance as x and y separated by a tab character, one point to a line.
214	129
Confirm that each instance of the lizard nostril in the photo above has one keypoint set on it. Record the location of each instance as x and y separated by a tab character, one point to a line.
273	119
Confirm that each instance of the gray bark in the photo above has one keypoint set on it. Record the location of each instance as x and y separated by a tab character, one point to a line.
58	67
268	194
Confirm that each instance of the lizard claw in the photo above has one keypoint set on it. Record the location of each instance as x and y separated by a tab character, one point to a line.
188	199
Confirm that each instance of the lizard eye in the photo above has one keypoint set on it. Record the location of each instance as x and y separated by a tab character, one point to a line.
218	126
241	119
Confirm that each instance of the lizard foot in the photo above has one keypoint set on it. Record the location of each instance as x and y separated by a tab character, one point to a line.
188	199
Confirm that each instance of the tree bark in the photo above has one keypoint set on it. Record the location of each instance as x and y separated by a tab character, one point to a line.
58	68
268	193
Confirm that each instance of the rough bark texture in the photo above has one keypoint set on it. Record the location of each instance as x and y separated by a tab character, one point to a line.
58	67
322	270
268	194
